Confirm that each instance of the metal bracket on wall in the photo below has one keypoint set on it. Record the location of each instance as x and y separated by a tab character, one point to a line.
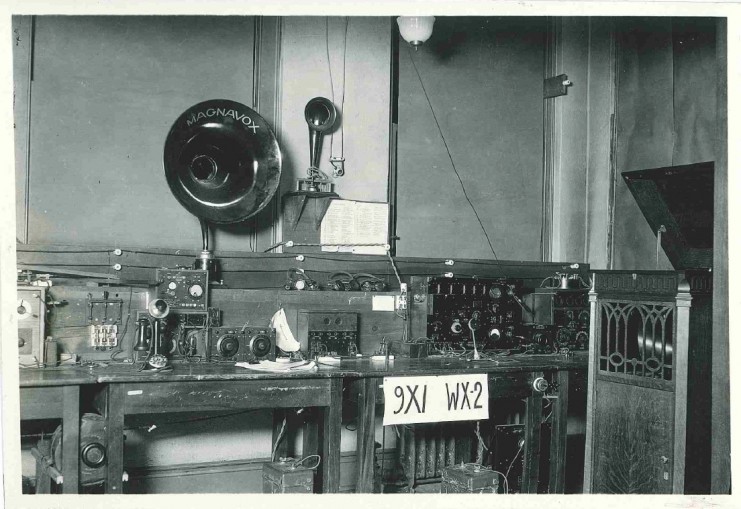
295	202
555	86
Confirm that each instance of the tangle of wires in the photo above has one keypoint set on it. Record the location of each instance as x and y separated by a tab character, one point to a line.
120	349
345	281
556	281
297	279
451	351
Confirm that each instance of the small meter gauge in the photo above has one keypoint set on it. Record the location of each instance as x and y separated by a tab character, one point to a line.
195	291
24	309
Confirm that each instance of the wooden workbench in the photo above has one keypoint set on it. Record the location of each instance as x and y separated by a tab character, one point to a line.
509	377
118	390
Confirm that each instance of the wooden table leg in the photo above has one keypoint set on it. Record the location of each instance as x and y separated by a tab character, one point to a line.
115	437
43	479
531	450
310	440
331	435
71	439
557	480
366	444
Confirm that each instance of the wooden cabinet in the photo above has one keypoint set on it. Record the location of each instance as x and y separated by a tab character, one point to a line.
648	417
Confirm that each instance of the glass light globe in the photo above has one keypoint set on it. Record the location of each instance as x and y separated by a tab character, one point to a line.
415	29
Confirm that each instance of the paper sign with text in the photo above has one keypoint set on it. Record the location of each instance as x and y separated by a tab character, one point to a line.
416	399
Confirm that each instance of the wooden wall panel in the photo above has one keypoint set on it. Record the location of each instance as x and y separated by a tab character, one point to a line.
721	407
22	50
600	158
363	61
645	117
572	130
665	116
694	90
106	90
267	94
484	78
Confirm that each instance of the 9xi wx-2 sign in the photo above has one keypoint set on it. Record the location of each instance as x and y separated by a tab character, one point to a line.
417	399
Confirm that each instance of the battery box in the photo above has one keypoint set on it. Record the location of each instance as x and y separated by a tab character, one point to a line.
469	478
285	476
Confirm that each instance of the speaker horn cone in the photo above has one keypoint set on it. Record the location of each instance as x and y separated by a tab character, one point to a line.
222	161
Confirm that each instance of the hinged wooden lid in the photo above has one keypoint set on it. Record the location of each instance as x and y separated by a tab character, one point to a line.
680	198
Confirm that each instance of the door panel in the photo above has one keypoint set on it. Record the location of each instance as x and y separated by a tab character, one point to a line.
633	430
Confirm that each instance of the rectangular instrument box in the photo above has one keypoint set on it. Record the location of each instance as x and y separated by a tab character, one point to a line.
329	332
417	350
31	314
285	477
469	478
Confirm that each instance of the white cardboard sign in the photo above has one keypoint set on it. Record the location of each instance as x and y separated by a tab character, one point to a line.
417	399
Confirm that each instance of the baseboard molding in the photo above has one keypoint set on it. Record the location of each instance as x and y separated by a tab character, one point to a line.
234	476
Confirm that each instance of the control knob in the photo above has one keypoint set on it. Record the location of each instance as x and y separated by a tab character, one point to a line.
195	291
540	384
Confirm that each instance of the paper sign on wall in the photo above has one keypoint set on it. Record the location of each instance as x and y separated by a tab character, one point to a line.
417	399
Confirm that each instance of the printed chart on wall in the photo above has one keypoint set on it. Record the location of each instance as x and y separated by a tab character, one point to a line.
348	225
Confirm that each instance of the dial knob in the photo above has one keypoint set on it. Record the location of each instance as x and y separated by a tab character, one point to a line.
227	346
495	292
540	384
456	328
195	291
157	361
260	345
172	285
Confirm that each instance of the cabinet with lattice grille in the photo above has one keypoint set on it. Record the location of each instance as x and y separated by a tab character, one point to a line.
648	414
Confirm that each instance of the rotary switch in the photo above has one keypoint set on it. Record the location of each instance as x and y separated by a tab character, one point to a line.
195	291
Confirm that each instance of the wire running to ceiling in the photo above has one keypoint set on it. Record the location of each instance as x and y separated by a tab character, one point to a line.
450	156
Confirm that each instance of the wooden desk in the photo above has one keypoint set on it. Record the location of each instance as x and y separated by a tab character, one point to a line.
55	394
189	387
121	391
510	377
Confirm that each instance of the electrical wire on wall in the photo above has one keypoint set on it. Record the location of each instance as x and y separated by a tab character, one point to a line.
338	162
450	156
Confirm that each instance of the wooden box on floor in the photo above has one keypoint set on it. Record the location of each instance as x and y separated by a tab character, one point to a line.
287	477
468	478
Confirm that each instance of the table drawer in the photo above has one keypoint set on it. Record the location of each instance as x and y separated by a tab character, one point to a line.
160	397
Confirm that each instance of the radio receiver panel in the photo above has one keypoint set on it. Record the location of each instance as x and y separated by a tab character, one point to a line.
235	344
460	308
564	312
183	288
329	332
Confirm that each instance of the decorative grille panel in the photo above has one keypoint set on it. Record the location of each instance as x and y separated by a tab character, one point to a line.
636	339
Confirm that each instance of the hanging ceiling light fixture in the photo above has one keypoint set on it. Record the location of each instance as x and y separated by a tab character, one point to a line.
415	29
